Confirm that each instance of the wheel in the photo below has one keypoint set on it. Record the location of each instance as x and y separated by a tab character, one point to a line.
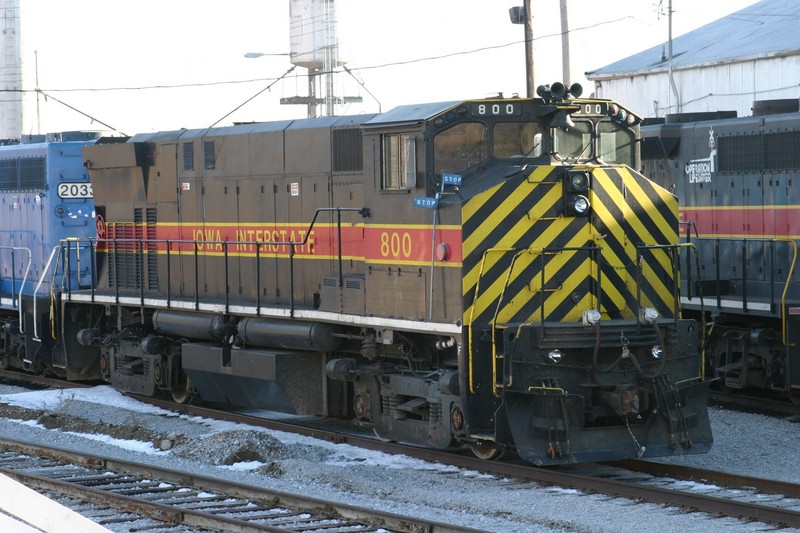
794	396
487	450
184	391
382	439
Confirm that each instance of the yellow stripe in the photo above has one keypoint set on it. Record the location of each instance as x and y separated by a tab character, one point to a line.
301	225
738	207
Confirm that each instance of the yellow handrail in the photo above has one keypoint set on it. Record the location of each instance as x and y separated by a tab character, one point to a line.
472	313
784	320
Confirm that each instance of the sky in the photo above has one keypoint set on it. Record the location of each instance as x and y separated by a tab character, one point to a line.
154	65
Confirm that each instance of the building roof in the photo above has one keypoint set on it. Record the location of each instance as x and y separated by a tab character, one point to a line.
765	29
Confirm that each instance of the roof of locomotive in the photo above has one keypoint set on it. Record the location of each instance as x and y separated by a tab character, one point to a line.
764	29
411	113
402	114
254	127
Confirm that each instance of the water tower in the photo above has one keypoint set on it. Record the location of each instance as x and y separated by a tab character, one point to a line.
314	46
10	72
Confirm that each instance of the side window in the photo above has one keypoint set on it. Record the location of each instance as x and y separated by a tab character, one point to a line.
399	162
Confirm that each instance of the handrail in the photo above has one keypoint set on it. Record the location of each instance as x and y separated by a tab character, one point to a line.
470	366
670	249
18	302
45	270
784	319
542	252
772	281
137	246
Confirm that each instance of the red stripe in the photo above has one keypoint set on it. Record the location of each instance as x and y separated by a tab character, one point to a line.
769	221
400	244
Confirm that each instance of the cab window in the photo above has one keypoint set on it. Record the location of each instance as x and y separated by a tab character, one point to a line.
617	144
574	142
517	139
460	147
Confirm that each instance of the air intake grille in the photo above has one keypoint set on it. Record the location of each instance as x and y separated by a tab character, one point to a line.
347	150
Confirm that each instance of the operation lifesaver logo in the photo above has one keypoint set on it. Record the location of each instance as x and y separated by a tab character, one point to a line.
699	171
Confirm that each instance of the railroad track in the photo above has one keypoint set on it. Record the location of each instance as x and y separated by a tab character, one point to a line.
721	494
153	498
735	496
772	406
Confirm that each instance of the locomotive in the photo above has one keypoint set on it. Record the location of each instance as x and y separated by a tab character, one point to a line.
46	197
490	274
739	210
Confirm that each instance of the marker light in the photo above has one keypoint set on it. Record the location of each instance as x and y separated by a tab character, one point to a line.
578	181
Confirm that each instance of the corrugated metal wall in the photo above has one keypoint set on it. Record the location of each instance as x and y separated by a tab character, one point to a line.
724	86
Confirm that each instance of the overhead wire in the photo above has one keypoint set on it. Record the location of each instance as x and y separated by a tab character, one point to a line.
352	69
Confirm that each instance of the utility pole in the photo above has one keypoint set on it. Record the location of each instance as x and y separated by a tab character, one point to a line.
564	44
529	48
669	65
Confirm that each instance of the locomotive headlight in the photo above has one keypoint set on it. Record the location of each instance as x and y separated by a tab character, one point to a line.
554	356
578	205
656	351
576	193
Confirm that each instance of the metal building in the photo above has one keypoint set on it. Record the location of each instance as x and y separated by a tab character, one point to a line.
752	54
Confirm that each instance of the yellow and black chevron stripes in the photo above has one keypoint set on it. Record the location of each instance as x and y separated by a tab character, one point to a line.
525	261
632	211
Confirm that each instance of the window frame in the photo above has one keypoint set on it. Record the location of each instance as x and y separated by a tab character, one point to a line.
398	161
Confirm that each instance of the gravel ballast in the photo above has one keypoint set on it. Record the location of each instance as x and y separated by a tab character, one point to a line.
101	421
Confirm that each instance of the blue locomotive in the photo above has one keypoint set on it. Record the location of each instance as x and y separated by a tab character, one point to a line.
45	201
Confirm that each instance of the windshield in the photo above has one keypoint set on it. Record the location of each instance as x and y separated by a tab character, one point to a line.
617	144
574	142
465	145
517	139
460	147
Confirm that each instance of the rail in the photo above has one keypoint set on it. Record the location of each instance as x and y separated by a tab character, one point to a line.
18	301
139	250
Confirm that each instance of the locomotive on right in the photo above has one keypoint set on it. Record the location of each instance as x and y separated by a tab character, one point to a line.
740	210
